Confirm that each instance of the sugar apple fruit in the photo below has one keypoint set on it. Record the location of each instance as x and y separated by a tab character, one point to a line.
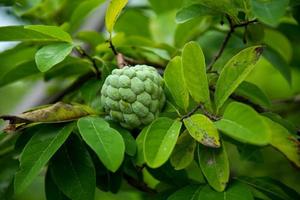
133	96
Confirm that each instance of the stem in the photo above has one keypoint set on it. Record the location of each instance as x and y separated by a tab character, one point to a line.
191	112
111	45
206	113
84	54
227	38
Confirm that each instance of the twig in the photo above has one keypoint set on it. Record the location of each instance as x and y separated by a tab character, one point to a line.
139	185
200	106
82	52
226	39
125	61
121	62
256	107
191	112
246	23
111	45
294	99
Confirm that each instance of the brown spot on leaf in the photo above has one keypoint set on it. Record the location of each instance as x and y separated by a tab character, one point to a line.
210	161
258	51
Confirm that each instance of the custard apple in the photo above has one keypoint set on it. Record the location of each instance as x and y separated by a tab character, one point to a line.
133	96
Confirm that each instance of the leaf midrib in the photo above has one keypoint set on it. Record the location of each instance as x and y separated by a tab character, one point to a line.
25	180
102	143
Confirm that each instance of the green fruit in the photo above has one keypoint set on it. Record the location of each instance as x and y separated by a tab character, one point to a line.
133	96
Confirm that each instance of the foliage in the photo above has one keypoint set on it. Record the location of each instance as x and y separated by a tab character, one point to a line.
228	129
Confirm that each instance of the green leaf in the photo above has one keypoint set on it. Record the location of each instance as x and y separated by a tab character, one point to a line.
104	140
236	191
194	70
243	123
90	91
203	130
14	57
70	66
139	158
215	166
266	187
113	11
250	153
52	54
177	86
234	73
19	33
52	31
278	42
282	121
19	72
9	166
167	174
130	144
52	192
183	153
160	140
41	147
73	171
191	12
253	93
82	11
269	11
284	141
278	63
190	192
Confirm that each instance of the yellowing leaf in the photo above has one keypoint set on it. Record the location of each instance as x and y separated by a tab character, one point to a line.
55	113
203	130
113	11
215	166
284	141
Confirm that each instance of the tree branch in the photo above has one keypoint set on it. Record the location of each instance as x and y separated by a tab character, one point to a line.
206	113
82	52
227	38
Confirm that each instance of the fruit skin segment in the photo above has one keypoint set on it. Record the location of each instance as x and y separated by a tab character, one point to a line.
133	96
